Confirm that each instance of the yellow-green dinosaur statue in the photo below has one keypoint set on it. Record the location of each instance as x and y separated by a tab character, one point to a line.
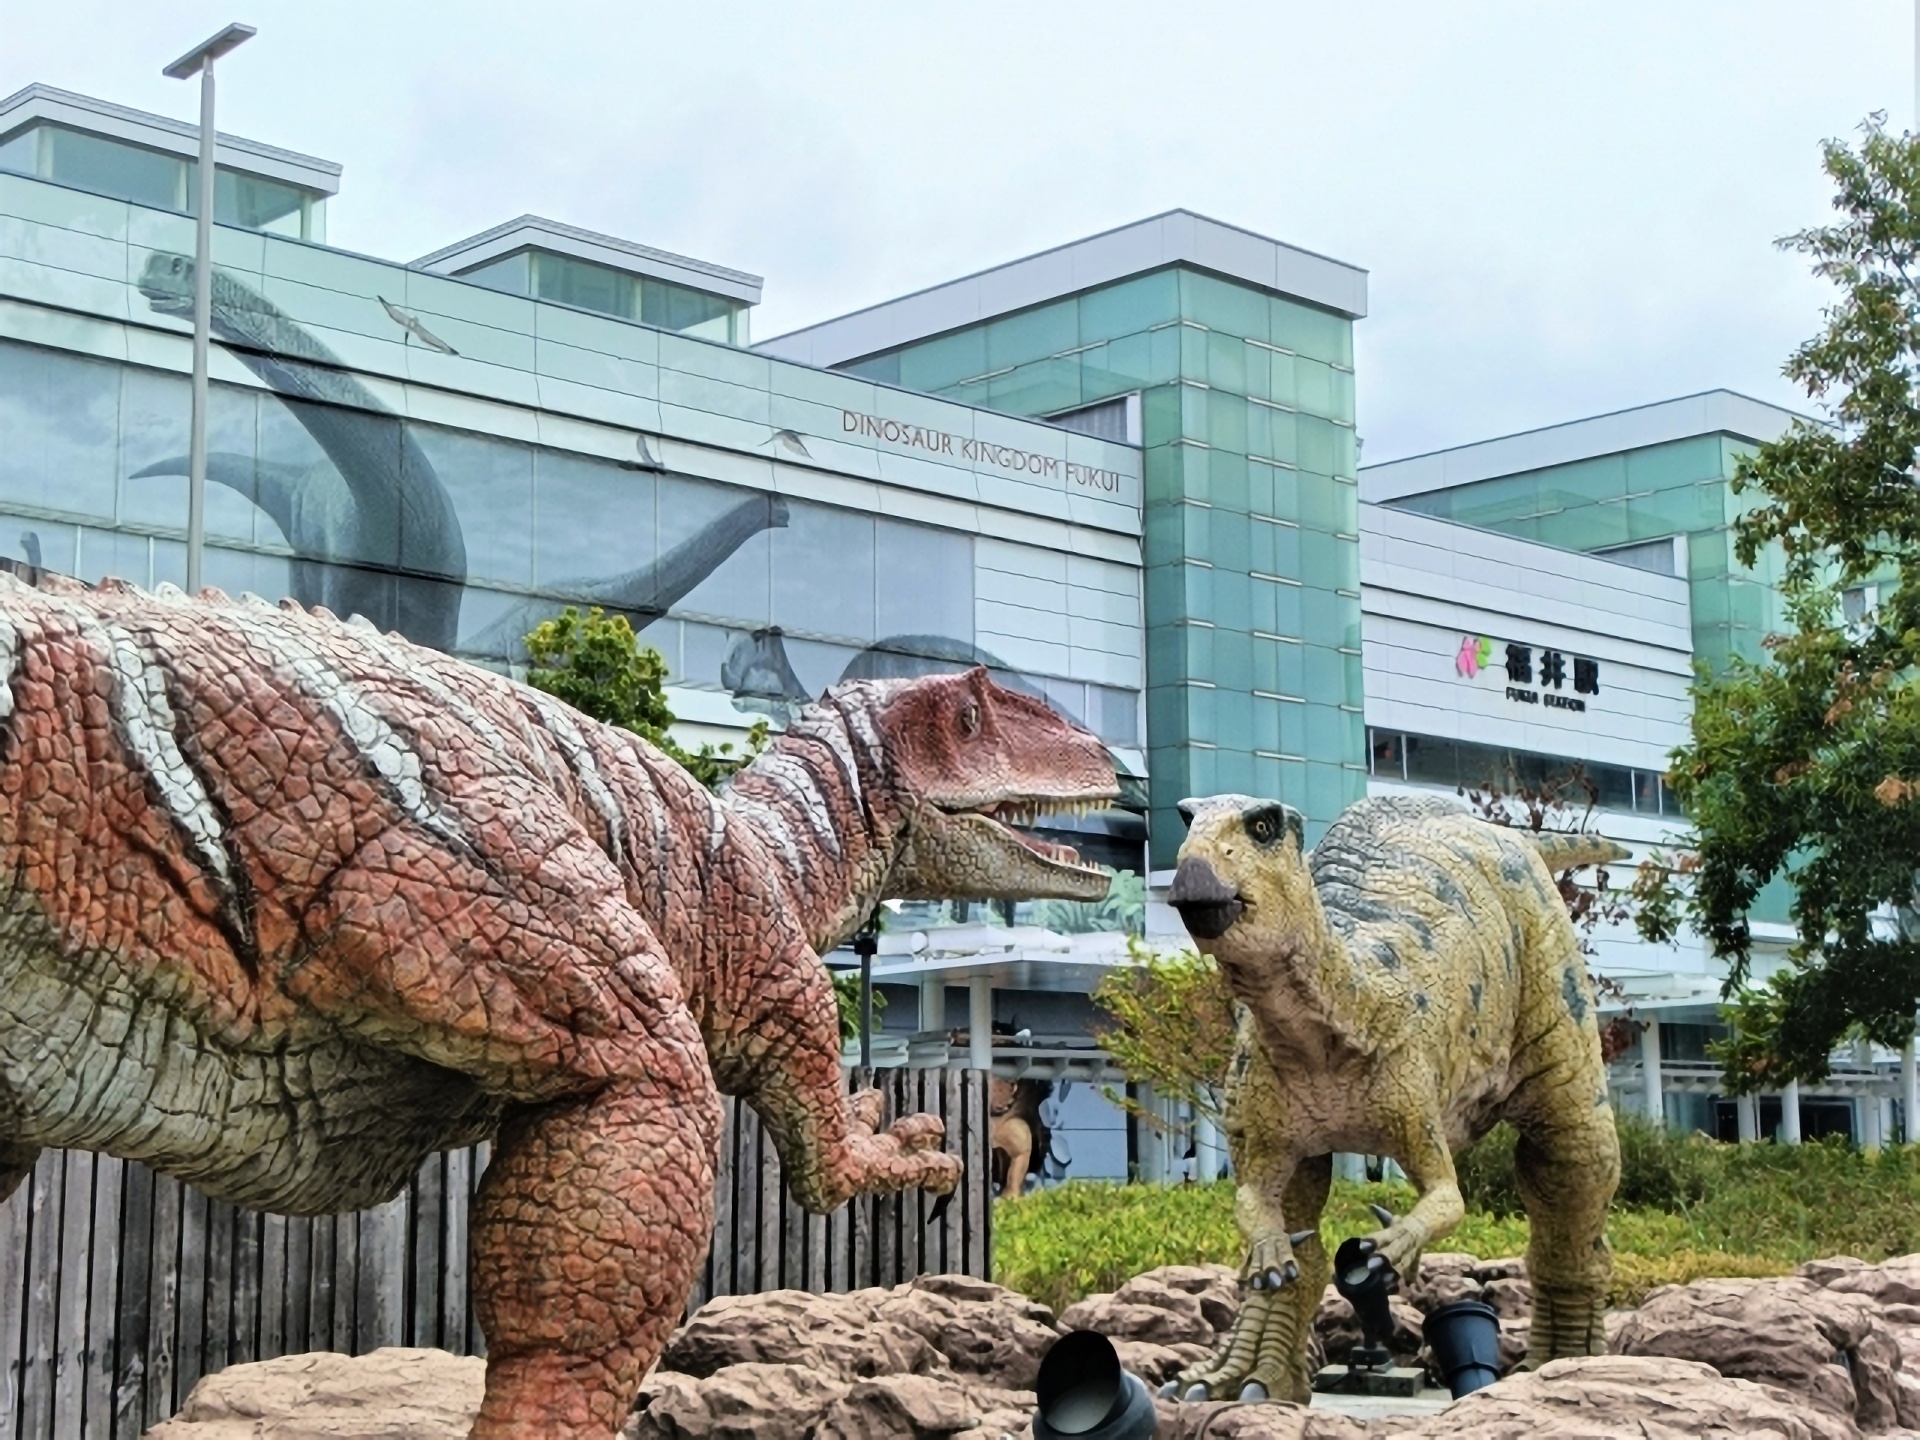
1412	981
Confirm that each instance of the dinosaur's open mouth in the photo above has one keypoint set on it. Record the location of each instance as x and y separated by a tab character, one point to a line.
1014	816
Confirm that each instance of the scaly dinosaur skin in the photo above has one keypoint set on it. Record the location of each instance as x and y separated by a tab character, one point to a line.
289	905
1407	986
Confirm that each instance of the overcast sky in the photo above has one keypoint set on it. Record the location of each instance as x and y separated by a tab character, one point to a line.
1567	206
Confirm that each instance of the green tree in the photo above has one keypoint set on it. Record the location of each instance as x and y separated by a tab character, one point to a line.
1806	765
596	664
1172	1026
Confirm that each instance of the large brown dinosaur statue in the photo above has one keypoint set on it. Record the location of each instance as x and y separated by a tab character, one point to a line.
1412	982
289	904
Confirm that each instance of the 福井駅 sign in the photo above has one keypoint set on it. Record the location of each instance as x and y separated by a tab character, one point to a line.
1535	675
978	452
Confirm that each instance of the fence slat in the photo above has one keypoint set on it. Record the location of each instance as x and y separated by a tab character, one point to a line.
43	1269
13	1301
70	1328
163	1289
102	1294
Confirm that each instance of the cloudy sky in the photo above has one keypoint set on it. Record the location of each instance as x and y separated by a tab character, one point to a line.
1567	206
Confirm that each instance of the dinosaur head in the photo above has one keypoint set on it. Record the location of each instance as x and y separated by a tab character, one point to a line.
1242	872
238	313
970	760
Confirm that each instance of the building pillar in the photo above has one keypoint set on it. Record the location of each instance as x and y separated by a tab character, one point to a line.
1153	1146
1909	1090
1747	1107
1208	1152
1883	1120
1654	1097
1790	1113
980	1023
933	1005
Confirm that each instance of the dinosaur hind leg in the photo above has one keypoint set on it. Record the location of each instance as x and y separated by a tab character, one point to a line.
592	1221
1567	1174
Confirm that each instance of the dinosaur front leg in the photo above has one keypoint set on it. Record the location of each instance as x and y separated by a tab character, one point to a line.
1421	1148
591	1223
830	1143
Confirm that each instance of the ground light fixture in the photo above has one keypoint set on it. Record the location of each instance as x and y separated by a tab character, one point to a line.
1083	1393
199	61
1465	1339
1365	1281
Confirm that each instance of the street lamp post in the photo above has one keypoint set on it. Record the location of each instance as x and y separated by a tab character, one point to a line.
199	61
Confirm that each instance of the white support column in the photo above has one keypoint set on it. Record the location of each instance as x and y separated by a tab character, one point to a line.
1654	1097
1882	1120
1747	1107
1909	1089
933	1005
1866	1122
1209	1154
980	1023
1790	1113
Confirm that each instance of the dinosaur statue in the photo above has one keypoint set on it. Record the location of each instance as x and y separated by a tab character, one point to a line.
289	904
1412	982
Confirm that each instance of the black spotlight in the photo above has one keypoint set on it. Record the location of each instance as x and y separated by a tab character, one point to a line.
1465	1339
1084	1393
1364	1281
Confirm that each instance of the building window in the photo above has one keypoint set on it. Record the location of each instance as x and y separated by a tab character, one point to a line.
582	283
1430	760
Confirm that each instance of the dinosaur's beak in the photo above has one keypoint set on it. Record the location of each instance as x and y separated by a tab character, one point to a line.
1208	906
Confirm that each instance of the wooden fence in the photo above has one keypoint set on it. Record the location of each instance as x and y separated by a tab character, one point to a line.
120	1288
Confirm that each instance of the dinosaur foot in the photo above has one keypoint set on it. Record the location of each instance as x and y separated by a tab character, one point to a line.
1258	1361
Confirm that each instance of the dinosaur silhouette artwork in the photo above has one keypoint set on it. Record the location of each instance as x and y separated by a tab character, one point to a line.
761	678
373	528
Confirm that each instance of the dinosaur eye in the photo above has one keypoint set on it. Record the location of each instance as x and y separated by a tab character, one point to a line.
970	719
1261	829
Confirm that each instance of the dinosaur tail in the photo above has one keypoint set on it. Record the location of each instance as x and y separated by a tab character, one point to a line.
1570	852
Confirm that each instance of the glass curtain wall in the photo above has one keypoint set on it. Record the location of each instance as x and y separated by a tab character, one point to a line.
1251	517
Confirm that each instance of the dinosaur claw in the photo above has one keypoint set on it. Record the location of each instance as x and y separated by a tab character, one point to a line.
1256	1281
1293	1271
1300	1237
1170	1390
1253	1390
1195	1392
1381	1213
1276	1278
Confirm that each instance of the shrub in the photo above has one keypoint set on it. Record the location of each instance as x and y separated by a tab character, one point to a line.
1659	1169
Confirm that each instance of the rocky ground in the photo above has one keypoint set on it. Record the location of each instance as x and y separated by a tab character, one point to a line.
1830	1353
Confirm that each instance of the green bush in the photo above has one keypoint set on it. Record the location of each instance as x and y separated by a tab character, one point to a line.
1687	1208
1659	1169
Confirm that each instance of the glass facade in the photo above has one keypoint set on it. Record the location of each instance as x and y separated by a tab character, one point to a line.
565	280
106	166
1252	596
1635	496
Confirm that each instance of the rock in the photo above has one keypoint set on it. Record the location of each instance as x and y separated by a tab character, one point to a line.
1827	1348
1603	1396
1143	1309
738	1402
1226	1420
1823	1272
1896	1282
1217	1287
1157	1364
1338	1329
897	1407
840	1335
1511	1299
1430	1295
980	1329
391	1394
1510	1267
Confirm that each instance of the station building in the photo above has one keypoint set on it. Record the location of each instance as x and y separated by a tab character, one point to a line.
1124	474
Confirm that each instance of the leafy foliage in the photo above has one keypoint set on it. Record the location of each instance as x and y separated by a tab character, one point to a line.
1173	1026
1124	911
846	994
1734	1210
595	663
1807	766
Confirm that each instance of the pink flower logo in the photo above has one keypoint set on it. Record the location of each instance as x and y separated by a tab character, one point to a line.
1475	651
